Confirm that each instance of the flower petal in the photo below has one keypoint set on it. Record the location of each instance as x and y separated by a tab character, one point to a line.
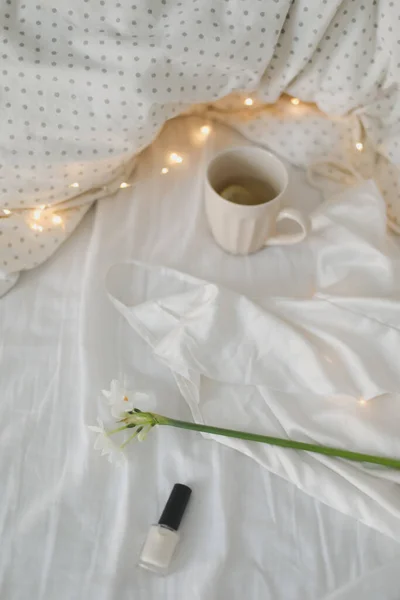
95	428
142	396
121	407
102	442
115	389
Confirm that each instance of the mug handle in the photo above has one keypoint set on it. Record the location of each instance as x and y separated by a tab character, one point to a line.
285	239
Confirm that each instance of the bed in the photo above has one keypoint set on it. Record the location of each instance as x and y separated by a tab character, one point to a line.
71	524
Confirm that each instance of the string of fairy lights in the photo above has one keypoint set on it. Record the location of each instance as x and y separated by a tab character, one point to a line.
173	159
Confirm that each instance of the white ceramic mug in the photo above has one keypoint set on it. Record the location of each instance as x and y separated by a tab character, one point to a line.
240	228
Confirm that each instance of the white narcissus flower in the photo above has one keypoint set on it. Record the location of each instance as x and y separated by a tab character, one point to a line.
122	400
106	446
131	420
119	398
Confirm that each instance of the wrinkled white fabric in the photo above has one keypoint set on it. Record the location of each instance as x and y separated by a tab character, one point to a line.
87	85
71	524
296	367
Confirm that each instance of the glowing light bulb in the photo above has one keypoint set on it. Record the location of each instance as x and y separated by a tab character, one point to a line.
360	146
42	206
362	401
36	227
205	130
56	219
74	185
37	214
124	185
295	101
164	170
249	102
6	211
176	158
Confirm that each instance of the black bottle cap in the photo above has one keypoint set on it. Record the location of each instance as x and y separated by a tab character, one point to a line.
176	506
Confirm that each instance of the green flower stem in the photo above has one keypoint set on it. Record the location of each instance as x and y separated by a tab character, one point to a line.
134	434
393	463
117	430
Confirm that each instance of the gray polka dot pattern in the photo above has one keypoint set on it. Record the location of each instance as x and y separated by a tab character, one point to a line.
87	84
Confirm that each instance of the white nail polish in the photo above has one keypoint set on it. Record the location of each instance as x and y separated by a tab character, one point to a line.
163	537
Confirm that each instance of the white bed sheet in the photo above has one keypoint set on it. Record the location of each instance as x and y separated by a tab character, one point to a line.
72	525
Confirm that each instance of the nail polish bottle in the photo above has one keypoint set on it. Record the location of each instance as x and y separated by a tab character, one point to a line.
163	537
